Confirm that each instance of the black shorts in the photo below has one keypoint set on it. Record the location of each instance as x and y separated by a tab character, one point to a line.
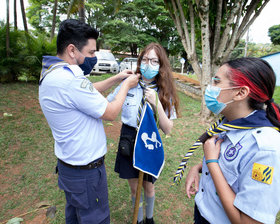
124	164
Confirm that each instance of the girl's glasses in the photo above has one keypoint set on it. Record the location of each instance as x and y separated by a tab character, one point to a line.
153	61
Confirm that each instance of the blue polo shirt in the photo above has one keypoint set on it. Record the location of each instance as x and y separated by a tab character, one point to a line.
249	160
73	107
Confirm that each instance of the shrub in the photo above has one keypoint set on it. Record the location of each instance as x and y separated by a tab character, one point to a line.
26	53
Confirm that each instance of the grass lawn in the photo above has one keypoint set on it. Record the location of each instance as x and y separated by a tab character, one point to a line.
27	162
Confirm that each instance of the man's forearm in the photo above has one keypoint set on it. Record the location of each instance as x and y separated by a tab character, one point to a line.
107	83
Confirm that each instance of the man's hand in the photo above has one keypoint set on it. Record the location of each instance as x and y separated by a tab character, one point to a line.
132	80
124	74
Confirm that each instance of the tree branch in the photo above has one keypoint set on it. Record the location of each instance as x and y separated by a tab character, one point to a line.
226	33
184	23
242	31
232	42
192	27
217	26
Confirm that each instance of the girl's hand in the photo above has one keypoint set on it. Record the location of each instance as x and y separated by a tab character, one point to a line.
192	180
212	148
150	96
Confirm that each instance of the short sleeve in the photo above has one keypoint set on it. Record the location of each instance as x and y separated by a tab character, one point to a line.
86	98
259	193
173	114
113	94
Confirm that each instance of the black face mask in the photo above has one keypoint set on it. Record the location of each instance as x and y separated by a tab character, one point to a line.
88	64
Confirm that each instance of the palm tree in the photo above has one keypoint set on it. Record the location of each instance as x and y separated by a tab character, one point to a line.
23	16
15	14
77	6
8	29
82	11
54	19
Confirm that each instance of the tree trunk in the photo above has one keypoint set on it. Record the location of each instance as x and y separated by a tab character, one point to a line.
8	29
54	19
82	11
222	23
23	16
15	14
206	56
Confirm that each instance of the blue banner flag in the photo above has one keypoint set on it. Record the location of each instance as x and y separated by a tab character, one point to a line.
148	153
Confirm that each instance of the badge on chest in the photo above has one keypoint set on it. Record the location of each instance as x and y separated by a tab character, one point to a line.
232	151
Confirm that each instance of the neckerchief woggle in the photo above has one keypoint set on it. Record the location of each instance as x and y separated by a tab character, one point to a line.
256	120
49	64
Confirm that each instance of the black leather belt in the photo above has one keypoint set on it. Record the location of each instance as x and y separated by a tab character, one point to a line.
92	165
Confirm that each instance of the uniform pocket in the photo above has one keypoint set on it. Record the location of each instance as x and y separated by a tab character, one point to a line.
128	104
129	110
231	177
98	192
75	191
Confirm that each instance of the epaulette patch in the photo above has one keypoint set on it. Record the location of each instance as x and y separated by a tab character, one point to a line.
262	173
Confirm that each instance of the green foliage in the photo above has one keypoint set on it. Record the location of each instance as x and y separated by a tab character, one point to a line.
254	50
40	14
125	25
276	95
12	67
137	23
25	56
274	34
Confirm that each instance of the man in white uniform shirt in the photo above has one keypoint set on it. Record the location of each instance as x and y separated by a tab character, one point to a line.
74	109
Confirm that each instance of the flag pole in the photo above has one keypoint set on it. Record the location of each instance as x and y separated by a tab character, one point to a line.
138	195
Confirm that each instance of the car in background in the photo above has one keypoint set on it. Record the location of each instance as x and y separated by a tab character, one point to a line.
106	63
128	63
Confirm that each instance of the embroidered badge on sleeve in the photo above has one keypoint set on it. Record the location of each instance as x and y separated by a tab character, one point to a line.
262	173
86	83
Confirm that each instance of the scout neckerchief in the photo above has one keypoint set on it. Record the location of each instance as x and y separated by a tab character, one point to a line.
144	85
256	120
49	64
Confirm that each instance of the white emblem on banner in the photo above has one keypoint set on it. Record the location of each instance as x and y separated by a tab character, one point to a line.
145	137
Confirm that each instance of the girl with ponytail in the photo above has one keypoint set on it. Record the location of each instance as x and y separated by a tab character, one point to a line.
240	171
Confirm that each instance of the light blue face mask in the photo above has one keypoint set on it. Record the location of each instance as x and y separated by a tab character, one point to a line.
149	71
211	95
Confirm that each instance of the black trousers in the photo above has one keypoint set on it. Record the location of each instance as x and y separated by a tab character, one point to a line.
198	219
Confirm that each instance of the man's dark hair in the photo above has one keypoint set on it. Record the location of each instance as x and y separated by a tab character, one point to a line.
72	31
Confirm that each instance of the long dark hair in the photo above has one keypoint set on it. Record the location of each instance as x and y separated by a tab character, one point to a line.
164	80
258	75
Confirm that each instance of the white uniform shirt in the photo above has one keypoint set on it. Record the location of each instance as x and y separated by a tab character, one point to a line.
131	105
241	151
73	107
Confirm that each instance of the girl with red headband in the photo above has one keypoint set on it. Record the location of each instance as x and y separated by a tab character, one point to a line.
240	172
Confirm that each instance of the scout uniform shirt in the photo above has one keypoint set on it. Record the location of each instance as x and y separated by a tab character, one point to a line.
250	162
73	107
131	105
